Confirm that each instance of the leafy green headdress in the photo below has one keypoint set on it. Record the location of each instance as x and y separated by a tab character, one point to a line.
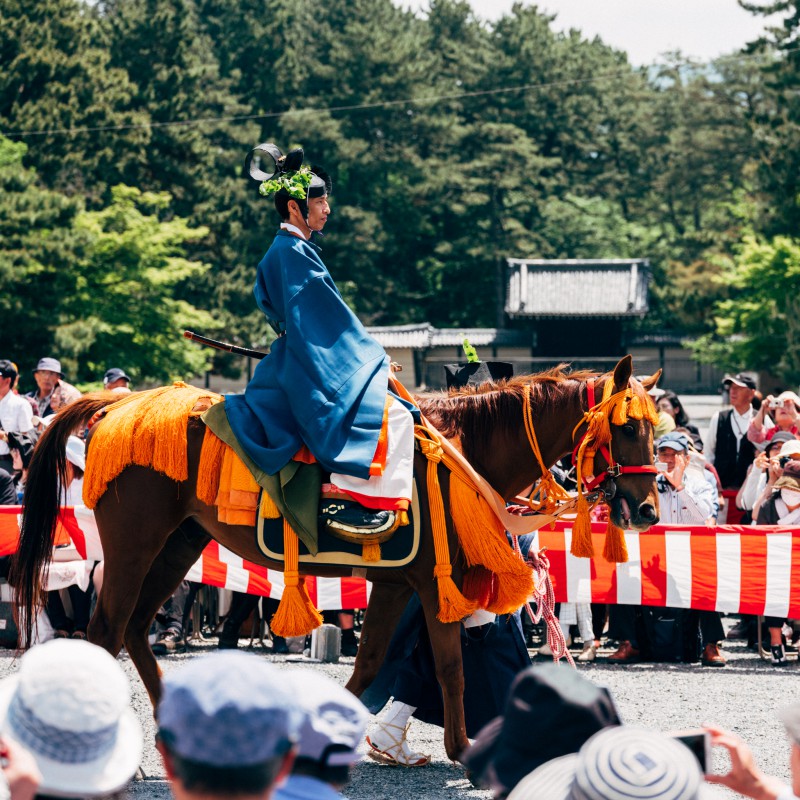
285	174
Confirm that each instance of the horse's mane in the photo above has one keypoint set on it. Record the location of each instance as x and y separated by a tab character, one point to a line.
469	414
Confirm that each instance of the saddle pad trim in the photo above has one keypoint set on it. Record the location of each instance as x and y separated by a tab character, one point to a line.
341	558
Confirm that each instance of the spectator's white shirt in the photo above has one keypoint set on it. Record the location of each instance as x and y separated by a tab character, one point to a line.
691	506
16	416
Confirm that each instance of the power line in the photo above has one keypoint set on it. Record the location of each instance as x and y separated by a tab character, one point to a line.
529	87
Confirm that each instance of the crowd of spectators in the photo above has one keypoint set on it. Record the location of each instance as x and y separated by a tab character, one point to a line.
744	469
231	724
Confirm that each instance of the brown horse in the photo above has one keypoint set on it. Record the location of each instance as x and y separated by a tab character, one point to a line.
153	528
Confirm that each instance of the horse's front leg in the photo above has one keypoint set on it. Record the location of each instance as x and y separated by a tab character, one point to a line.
387	602
446	645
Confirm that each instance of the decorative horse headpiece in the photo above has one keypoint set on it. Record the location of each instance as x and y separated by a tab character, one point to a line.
615	408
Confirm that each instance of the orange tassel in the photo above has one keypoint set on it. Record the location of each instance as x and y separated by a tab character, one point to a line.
453	606
484	542
371	552
211	457
582	546
615	549
269	509
635	409
619	415
296	614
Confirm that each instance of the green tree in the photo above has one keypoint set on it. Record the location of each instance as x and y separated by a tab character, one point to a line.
56	75
123	307
759	326
38	249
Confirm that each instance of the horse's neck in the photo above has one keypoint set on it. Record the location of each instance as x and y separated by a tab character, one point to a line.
508	462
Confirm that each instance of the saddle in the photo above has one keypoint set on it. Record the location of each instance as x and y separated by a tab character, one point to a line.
292	495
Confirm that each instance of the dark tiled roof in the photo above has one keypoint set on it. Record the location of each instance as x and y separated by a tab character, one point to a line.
479	337
417	337
577	287
424	335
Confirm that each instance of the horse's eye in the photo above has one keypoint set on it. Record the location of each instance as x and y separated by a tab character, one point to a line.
629	431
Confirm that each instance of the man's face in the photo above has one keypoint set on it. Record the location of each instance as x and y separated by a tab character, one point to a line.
45	380
741	396
5	386
318	211
119	382
669	457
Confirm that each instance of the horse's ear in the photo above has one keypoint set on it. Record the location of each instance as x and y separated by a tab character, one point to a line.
622	373
650	382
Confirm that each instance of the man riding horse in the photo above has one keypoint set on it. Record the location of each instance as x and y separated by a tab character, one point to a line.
323	388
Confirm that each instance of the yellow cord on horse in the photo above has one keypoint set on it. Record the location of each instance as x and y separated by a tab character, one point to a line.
296	614
453	606
549	491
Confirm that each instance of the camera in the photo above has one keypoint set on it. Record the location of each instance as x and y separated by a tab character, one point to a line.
699	742
776	404
783	460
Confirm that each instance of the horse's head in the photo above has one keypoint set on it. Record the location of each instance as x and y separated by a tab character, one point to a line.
626	464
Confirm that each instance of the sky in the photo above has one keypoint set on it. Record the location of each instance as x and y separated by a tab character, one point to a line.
644	28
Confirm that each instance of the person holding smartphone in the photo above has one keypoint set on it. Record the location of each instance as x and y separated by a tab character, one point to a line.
744	776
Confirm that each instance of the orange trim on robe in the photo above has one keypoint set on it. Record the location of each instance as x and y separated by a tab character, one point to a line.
304	455
382	450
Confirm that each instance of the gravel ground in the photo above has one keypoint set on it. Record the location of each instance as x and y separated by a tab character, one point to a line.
743	697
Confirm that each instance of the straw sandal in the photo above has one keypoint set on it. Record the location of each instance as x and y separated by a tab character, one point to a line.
397	753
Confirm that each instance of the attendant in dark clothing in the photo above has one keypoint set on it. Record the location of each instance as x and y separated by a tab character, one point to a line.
727	446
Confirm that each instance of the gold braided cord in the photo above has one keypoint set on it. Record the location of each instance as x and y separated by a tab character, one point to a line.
550	492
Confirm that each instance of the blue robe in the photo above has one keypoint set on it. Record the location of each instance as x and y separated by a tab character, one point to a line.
325	380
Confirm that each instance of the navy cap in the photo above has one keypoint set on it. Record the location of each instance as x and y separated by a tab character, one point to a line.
228	710
740	379
335	719
49	365
114	374
674	441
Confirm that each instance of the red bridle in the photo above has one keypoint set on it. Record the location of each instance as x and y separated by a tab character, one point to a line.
613	470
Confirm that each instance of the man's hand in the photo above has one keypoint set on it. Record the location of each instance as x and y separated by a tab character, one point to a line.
744	777
675	475
533	559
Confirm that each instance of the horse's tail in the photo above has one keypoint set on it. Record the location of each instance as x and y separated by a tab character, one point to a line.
41	506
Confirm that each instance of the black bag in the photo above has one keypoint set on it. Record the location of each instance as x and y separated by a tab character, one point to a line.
669	635
476	372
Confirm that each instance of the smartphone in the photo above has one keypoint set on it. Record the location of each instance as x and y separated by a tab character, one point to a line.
699	742
661	466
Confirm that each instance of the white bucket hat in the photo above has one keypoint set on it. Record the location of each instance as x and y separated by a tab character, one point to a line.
791	449
618	764
76	452
69	707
